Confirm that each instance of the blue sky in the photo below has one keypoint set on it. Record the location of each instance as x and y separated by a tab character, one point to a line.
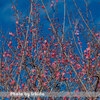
7	18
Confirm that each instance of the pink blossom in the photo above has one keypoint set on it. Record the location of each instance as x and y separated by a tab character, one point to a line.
43	75
51	5
57	74
87	57
54	64
92	59
66	78
53	38
76	33
45	41
33	70
45	52
34	30
75	27
79	27
8	55
4	55
49	28
63	74
35	51
23	85
13	82
16	22
83	70
45	71
93	66
10	33
78	66
52	2
88	49
43	7
32	81
53	54
64	98
10	43
73	23
45	83
84	51
22	25
19	54
56	0
57	77
30	76
6	68
19	68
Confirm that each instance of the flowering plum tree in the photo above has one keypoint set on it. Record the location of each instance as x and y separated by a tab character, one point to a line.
50	52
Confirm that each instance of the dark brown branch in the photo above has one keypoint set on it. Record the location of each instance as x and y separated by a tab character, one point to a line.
96	83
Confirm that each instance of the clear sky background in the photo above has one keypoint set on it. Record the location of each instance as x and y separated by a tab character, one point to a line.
7	20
